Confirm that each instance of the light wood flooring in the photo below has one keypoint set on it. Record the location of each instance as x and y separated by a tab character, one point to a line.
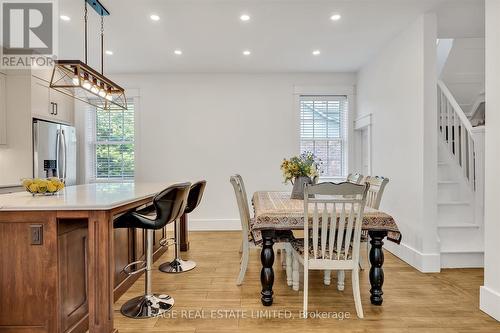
413	302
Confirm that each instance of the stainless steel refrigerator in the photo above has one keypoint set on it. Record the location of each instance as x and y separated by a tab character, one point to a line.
54	151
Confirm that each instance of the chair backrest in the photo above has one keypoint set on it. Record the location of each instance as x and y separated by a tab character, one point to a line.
377	186
195	195
355	178
241	199
171	203
334	214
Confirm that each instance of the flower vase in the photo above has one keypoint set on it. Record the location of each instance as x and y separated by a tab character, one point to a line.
299	184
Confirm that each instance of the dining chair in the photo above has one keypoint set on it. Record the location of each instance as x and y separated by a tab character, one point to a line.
333	216
355	178
373	198
248	240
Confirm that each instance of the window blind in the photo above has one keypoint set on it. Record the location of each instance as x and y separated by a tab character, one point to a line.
111	139
323	131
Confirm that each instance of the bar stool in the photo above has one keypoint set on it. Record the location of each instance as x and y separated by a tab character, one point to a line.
178	265
169	205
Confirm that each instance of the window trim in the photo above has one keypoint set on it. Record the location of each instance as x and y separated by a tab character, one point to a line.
91	143
331	90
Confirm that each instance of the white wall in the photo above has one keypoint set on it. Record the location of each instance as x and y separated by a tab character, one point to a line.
398	88
210	126
490	292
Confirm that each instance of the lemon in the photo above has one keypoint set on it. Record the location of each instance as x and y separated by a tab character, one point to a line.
51	187
26	183
33	188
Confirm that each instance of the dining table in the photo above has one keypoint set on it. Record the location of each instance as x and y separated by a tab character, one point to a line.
275	212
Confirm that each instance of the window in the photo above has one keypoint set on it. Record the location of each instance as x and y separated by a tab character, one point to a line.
323	131
111	143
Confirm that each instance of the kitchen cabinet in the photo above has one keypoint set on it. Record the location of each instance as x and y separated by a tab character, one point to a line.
3	109
50	104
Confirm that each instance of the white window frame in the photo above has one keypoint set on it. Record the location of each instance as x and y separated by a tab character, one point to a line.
91	146
330	90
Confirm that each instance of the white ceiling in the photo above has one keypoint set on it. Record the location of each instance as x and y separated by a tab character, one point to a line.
281	33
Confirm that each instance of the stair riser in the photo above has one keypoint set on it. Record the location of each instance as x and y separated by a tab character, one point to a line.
461	239
449	192
462	260
455	214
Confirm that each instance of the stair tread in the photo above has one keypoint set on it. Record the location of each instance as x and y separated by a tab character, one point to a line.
461	225
454	203
462	251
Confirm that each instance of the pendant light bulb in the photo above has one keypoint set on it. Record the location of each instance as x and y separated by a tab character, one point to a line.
102	90
95	88
86	83
76	80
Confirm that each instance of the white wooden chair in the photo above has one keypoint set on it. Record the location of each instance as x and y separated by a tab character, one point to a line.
373	198
337	217
247	238
355	178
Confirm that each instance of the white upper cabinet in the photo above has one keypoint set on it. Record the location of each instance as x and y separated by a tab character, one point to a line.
50	104
3	109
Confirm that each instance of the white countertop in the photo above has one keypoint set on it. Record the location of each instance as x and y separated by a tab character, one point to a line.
98	196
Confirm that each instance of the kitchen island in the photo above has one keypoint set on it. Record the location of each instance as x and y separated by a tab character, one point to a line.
61	260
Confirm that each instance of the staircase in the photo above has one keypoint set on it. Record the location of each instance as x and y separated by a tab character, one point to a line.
460	185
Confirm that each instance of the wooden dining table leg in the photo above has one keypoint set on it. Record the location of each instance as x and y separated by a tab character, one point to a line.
100	272
267	273
376	261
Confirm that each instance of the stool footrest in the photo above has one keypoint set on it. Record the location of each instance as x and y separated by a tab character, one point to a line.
166	242
128	270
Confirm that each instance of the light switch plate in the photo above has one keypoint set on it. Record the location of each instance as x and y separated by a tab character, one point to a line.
36	234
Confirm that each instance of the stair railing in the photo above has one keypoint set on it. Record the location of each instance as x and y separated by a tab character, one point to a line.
457	132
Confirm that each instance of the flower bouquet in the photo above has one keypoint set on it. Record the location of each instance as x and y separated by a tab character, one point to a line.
300	170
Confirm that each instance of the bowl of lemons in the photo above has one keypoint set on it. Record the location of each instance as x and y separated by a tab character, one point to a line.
39	186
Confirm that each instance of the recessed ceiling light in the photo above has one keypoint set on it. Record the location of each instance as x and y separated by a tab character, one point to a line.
247	52
65	18
154	17
245	17
335	17
316	52
178	52
108	52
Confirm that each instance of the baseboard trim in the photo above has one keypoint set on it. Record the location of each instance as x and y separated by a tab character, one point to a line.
214	224
489	302
424	262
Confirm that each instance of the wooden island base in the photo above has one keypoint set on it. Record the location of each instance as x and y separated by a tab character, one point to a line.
61	270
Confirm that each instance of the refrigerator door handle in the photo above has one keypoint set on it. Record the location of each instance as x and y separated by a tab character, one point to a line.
65	154
58	154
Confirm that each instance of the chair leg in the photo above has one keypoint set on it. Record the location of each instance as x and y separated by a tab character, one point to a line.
306	291
327	277
241	248
295	274
356	293
340	280
283	252
243	265
289	270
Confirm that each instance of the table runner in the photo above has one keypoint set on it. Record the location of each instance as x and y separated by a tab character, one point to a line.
275	210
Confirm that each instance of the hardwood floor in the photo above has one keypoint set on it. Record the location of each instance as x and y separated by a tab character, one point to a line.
414	302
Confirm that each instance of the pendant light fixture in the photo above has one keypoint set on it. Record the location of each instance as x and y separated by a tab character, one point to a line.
77	79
